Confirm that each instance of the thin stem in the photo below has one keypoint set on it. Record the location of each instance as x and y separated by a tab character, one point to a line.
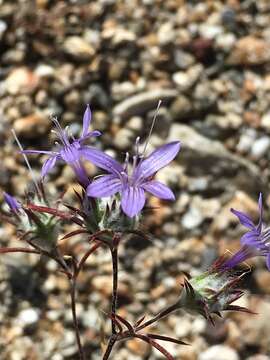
86	256
159	316
114	336
114	252
110	346
18	249
74	316
76	271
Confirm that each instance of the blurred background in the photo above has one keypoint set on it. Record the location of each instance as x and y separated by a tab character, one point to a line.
208	61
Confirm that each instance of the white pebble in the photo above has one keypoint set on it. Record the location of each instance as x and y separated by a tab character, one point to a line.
219	352
28	316
260	147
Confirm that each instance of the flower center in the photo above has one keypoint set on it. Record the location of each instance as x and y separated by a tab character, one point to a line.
70	153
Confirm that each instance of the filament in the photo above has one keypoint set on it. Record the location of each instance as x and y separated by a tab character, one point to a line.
27	163
152	127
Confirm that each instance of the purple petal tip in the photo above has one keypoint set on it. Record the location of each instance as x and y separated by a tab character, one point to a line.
12	202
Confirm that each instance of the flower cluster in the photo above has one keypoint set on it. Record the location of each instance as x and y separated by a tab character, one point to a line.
110	206
130	186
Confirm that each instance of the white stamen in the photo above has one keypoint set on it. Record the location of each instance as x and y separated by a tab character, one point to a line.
152	127
126	162
27	163
135	157
137	143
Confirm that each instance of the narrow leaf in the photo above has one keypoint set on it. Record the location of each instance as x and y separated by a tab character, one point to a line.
156	345
166	338
73	233
18	249
125	322
138	322
239	308
62	214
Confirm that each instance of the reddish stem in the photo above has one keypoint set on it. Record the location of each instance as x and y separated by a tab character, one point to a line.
114	252
86	256
77	269
18	249
74	316
159	316
110	346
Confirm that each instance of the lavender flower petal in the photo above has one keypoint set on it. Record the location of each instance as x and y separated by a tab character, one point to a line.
48	165
159	190
104	186
257	237
244	219
259	226
101	160
70	154
80	172
132	201
86	120
12	202
250	238
246	252
71	149
158	159
94	133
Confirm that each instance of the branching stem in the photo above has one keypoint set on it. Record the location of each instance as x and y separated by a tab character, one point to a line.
114	252
159	316
110	346
74	316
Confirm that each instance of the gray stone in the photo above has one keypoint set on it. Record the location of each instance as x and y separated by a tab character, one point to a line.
78	48
202	156
180	108
192	218
246	140
265	121
210	31
183	60
219	352
186	79
226	41
143	102
124	138
28	316
254	332
135	123
260	147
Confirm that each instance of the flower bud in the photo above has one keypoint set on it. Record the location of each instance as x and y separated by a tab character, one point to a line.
113	218
40	229
212	292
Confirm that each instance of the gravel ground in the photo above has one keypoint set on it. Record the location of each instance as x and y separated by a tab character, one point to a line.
208	61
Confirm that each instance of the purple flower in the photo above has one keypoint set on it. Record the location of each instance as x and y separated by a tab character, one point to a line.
12	203
132	186
256	242
246	252
70	151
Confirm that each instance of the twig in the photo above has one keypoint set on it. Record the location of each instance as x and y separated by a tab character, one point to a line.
110	346
18	249
114	252
159	316
86	256
74	316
